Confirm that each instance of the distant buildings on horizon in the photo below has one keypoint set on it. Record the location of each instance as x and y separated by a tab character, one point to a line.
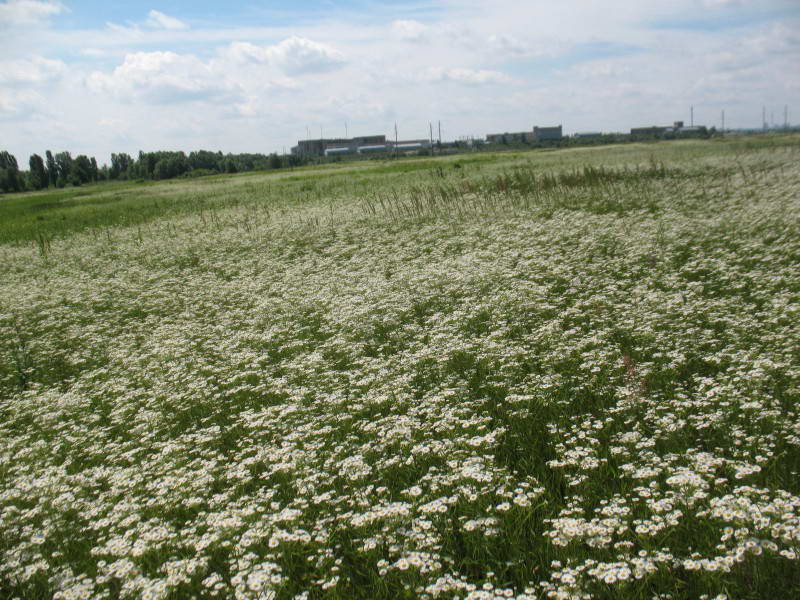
365	144
539	134
377	144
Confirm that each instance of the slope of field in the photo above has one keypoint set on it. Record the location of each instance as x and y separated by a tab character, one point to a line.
569	374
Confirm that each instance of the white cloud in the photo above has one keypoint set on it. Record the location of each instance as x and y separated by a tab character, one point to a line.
129	33
27	12
603	69
112	123
466	76
16	104
162	78
245	52
775	39
508	45
722	3
92	52
300	55
159	20
33	71
294	55
409	31
763	51
443	33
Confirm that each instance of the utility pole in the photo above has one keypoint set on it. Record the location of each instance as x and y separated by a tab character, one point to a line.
786	116
723	120
764	118
440	134
430	125
691	118
395	139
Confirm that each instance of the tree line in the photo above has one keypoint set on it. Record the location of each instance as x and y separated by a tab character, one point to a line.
63	169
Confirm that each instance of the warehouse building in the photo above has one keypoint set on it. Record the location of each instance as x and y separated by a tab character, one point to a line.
368	144
538	134
321	146
678	129
652	131
509	138
542	134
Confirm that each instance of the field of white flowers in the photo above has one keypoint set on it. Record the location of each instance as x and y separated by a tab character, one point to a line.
513	383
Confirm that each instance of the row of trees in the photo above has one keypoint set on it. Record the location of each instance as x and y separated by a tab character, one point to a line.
166	165
62	169
54	170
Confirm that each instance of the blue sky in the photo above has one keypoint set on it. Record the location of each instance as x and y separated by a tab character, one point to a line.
100	77
206	13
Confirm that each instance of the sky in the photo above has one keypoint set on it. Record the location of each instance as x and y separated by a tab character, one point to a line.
96	77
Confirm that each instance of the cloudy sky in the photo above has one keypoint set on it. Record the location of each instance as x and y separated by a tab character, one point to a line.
95	77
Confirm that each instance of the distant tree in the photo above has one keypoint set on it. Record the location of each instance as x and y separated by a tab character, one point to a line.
230	166
121	165
204	159
94	171
52	168
8	161
295	161
181	164
81	170
26	181
10	180
162	169
64	167
275	161
114	170
145	165
38	176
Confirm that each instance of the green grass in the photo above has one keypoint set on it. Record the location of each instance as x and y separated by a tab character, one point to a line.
25	218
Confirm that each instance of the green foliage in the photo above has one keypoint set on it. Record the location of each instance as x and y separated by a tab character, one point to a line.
82	171
9	173
39	178
64	167
121	165
52	169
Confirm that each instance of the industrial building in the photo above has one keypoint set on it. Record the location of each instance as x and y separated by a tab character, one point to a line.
318	147
509	138
652	131
538	134
369	144
541	134
677	129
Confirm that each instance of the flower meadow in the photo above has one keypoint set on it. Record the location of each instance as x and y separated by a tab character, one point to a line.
553	375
